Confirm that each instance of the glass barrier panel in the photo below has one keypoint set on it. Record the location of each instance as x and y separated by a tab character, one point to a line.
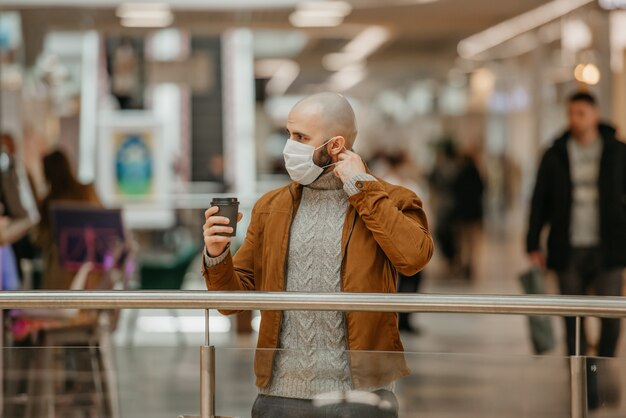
417	384
605	384
163	382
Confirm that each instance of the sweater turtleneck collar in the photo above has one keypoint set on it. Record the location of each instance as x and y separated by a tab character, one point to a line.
327	181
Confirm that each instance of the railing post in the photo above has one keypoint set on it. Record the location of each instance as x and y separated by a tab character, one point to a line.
578	378
207	373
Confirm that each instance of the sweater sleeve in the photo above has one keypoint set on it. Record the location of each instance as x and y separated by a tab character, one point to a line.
214	261
350	187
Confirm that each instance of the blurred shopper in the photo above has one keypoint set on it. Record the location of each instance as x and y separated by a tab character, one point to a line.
334	228
15	217
580	194
468	189
442	181
10	231
63	188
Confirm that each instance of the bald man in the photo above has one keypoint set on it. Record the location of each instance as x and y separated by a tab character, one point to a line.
334	228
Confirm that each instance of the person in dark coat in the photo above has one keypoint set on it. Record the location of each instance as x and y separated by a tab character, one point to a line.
580	193
468	189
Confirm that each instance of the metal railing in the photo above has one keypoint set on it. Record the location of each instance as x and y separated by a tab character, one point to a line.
572	306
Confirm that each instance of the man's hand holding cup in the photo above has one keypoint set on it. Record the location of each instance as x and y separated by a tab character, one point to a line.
219	230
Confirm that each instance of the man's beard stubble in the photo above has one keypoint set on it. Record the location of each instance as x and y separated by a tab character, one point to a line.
323	159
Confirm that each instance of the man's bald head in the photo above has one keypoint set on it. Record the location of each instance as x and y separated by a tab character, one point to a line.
334	113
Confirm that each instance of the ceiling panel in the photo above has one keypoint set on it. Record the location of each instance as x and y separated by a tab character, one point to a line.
418	30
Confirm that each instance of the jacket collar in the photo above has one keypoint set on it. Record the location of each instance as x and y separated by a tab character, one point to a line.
607	135
606	132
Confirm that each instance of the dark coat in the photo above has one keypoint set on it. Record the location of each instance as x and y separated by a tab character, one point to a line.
552	202
468	191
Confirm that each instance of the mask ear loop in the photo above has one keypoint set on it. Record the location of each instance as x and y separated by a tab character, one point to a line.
324	144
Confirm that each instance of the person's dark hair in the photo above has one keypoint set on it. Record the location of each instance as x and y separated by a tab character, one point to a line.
58	172
396	159
583	96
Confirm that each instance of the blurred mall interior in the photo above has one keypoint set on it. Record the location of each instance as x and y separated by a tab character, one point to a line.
161	106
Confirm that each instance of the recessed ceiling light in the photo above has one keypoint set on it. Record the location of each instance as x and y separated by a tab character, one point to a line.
147	15
320	13
153	22
338	7
302	19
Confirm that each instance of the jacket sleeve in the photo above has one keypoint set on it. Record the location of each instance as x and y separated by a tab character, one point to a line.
539	207
234	272
400	228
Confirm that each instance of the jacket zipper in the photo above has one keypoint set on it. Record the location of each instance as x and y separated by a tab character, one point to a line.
345	316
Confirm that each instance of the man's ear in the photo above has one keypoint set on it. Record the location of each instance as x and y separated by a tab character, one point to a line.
337	145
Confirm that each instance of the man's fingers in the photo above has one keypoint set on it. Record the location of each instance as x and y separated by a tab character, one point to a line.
210	212
239	216
215	220
218	229
345	155
218	220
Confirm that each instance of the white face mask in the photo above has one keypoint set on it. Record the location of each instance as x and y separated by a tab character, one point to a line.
299	161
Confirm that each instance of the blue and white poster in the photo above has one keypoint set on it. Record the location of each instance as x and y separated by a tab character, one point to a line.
134	164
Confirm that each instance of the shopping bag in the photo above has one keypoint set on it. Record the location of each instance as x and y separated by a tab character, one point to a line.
541	331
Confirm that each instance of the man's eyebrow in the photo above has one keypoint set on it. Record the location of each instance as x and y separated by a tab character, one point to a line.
298	133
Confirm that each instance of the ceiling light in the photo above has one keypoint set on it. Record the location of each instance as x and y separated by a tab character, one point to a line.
138	10
612	4
320	13
281	73
156	22
576	35
509	29
368	41
284	77
578	72
347	78
587	73
335	61
341	8
145	15
310	20
358	49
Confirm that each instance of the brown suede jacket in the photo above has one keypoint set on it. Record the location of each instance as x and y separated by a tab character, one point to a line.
385	232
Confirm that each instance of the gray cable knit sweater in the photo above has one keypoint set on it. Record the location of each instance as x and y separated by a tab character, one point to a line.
312	359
